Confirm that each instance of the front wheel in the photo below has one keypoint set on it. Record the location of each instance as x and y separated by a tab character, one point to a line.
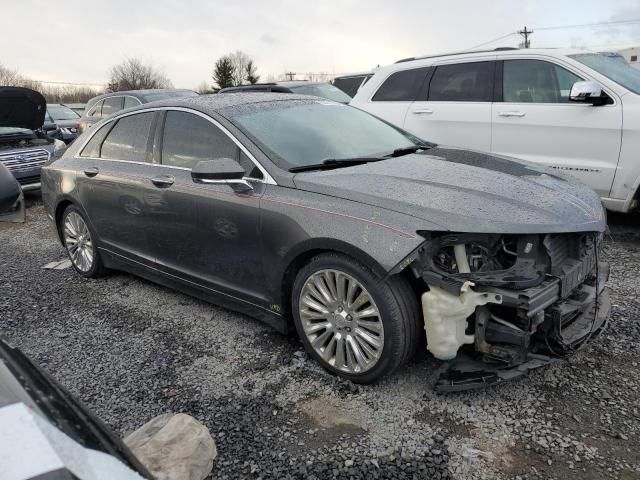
80	243
350	321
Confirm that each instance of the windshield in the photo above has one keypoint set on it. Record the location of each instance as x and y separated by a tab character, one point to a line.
152	97
324	90
611	67
296	133
60	112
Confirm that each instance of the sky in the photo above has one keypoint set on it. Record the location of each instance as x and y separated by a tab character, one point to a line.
78	42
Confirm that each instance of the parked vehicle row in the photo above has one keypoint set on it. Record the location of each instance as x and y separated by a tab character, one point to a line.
571	110
313	215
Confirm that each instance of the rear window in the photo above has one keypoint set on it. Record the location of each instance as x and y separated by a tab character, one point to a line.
130	102
111	105
462	82
401	86
95	110
129	139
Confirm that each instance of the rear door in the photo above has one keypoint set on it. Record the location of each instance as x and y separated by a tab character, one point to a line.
453	106
534	120
394	96
114	184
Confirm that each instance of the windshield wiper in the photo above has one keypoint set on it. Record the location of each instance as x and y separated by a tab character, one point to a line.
398	152
336	163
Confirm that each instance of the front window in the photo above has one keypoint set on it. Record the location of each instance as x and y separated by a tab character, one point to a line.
296	133
611	67
323	90
536	81
60	112
189	139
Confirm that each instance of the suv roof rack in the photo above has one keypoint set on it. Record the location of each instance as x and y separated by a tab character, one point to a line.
499	49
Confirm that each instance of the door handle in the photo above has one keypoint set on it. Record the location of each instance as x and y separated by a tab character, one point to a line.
163	181
511	114
421	111
91	171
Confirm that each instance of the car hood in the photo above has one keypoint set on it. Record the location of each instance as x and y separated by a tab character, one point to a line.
466	191
22	108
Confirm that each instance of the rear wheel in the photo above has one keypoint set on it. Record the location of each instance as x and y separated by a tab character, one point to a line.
80	243
353	324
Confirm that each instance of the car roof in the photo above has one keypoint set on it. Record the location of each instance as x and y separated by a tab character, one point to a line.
214	103
137	93
500	51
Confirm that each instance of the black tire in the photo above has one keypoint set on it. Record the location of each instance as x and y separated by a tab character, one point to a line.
398	310
97	268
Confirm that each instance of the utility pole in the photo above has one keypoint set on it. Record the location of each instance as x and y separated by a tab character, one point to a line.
525	33
290	75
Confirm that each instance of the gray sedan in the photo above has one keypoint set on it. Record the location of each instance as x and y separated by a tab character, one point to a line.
315	216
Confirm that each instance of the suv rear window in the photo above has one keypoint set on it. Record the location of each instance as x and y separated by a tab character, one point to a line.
462	82
401	86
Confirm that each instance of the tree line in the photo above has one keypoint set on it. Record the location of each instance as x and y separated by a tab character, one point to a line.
231	70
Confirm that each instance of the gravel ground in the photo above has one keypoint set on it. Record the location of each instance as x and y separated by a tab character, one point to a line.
132	350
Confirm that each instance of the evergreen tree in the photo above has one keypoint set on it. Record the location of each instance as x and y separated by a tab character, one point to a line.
223	73
250	73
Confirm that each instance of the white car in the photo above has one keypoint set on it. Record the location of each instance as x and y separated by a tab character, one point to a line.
572	110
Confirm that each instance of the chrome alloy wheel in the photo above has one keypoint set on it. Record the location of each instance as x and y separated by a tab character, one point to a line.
77	240
341	321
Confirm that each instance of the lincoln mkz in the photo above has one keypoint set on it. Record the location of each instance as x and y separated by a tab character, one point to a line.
314	215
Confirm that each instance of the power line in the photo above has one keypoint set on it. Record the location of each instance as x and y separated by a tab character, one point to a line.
491	41
598	24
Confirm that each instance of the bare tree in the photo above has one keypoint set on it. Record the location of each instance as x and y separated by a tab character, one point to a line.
133	74
239	60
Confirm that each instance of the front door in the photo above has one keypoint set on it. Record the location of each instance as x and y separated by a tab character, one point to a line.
536	121
454	106
208	234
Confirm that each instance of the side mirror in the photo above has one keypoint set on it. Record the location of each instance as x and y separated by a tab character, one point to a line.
48	126
221	170
586	92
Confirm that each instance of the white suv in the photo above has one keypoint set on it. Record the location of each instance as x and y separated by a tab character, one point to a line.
571	110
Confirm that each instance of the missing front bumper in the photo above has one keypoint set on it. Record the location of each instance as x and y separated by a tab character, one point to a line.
467	373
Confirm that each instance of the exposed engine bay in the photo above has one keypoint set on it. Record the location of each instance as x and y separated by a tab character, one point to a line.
500	305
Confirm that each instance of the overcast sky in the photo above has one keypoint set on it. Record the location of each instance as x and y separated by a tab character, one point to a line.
78	41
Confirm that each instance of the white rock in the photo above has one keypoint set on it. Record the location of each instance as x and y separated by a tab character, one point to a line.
174	447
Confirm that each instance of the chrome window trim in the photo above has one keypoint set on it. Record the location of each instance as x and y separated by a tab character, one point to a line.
268	179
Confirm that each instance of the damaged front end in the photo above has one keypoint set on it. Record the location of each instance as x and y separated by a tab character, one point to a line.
499	305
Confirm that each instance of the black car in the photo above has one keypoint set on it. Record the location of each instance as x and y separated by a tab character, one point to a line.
311	214
107	104
301	87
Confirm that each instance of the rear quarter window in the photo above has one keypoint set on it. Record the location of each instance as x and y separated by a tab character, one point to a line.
401	86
